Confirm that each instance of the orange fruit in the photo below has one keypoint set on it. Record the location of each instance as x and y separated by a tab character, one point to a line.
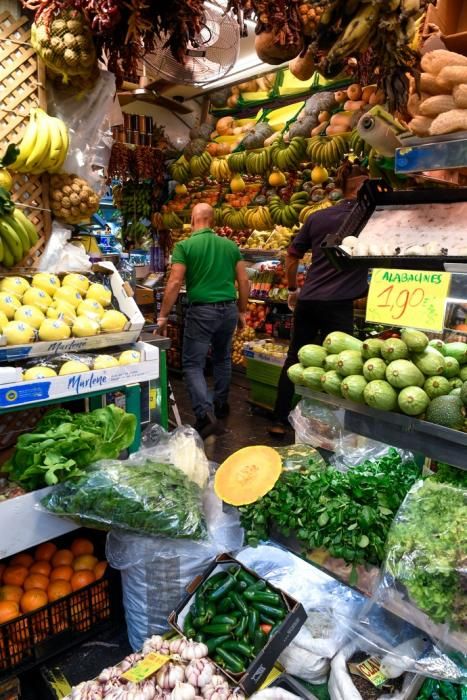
80	612
33	599
99	569
85	562
8	610
15	575
61	573
58	589
45	551
22	559
62	557
13	593
2	569
40	627
36	581
82	546
81	579
41	567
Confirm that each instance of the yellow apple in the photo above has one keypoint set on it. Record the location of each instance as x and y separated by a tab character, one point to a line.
19	333
47	282
113	321
38	298
99	293
54	329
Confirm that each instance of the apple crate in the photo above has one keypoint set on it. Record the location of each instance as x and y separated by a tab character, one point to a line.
39	635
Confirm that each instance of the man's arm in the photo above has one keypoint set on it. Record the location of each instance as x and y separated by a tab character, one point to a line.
243	284
291	269
172	290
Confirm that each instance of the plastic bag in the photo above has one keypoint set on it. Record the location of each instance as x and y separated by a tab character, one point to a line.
87	117
423	581
156	571
142	495
183	448
61	256
341	684
318	424
324	599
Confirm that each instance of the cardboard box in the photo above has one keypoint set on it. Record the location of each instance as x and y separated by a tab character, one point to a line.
264	662
124	301
450	16
19	392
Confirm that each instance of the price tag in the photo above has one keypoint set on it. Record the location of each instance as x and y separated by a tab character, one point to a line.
408	298
146	667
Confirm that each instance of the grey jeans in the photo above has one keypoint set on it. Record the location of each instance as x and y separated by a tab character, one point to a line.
208	325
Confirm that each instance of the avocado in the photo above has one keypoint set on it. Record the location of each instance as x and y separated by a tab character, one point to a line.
447	411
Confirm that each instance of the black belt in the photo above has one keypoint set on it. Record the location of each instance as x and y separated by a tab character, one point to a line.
212	303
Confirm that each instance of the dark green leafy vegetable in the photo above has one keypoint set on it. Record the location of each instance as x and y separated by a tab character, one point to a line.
347	513
433	689
427	548
152	498
62	443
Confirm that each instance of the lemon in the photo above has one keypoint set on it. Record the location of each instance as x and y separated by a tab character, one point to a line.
91	308
79	282
99	293
39	372
68	294
73	367
37	297
105	361
6	181
18	333
14	285
54	329
3	320
9	304
129	357
113	321
63	310
31	315
84	327
47	282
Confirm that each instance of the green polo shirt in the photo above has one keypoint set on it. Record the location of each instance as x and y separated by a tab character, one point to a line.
210	262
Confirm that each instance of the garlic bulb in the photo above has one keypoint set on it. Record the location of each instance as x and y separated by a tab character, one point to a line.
169	675
183	691
194	650
199	672
176	646
217	689
154	643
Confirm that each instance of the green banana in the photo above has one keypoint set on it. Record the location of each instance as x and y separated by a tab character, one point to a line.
20	231
355	33
11	240
28	225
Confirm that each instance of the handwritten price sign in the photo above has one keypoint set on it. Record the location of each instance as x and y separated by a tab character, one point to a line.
408	298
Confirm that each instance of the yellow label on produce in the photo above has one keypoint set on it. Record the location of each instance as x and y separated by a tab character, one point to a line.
152	398
146	667
408	298
371	670
274	673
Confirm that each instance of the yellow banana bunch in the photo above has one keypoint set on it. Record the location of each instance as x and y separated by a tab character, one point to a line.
220	170
44	145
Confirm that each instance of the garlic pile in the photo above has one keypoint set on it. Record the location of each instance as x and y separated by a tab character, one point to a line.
189	676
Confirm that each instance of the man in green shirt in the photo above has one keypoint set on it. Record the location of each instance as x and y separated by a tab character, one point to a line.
209	265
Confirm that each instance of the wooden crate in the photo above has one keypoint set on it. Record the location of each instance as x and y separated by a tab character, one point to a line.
22	87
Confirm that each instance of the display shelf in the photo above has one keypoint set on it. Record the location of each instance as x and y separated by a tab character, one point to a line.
427	154
429	439
258	255
395	603
19	394
24	524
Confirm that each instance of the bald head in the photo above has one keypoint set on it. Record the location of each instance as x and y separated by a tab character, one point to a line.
202	216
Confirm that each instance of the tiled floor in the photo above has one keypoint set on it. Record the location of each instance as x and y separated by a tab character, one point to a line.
246	425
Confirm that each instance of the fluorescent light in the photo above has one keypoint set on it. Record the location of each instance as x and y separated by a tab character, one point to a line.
244	71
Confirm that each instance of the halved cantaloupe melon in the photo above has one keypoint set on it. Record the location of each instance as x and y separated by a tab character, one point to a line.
247	475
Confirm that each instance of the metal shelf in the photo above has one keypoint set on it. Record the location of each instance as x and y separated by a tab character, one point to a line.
429	439
433	153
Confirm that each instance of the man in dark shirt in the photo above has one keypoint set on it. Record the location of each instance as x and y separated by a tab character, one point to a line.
325	303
